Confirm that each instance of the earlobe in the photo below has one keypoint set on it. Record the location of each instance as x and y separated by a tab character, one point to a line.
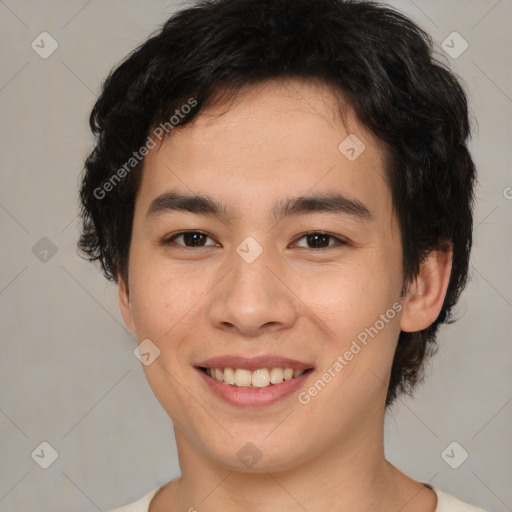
125	304
426	294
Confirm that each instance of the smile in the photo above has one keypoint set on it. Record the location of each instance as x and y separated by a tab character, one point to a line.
259	378
253	382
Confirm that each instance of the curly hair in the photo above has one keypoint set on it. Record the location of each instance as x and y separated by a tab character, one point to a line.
380	61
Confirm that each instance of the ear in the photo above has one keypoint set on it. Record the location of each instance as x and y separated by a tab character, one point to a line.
125	304
426	294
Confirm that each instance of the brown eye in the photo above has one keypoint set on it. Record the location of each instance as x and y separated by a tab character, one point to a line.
190	239
320	241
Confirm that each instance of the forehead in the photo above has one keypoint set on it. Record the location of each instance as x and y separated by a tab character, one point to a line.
271	139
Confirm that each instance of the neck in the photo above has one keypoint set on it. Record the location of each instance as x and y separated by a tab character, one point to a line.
349	474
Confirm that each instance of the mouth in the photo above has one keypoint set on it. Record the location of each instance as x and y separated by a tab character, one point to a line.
256	379
253	382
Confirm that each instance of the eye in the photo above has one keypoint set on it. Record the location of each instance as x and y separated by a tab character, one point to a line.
314	240
190	239
320	240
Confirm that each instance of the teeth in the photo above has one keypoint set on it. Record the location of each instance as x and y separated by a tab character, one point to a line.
260	378
288	374
276	375
242	377
229	376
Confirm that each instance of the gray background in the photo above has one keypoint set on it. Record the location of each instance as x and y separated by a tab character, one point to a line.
68	375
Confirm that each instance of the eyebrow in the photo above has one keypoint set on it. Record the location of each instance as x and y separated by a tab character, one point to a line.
317	203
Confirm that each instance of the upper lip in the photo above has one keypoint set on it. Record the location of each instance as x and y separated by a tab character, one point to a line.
253	363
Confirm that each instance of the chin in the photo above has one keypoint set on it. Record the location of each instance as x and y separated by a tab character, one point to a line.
259	455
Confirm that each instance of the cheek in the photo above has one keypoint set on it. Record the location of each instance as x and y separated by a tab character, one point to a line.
164	297
363	316
359	305
168	307
349	298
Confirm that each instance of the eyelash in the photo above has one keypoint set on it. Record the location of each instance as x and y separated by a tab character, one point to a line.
338	241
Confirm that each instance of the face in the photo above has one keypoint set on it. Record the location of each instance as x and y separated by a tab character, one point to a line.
289	257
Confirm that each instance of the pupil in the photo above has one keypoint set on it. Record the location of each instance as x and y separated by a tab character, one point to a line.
193	238
318	240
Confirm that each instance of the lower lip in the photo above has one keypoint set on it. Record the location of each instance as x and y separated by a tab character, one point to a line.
254	397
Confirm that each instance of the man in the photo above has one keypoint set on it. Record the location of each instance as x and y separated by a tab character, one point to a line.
283	193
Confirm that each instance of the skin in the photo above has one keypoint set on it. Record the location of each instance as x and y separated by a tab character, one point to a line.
276	140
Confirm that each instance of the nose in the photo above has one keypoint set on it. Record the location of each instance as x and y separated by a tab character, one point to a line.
252	300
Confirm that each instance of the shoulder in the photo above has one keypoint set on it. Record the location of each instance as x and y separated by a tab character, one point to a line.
445	503
141	505
448	503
